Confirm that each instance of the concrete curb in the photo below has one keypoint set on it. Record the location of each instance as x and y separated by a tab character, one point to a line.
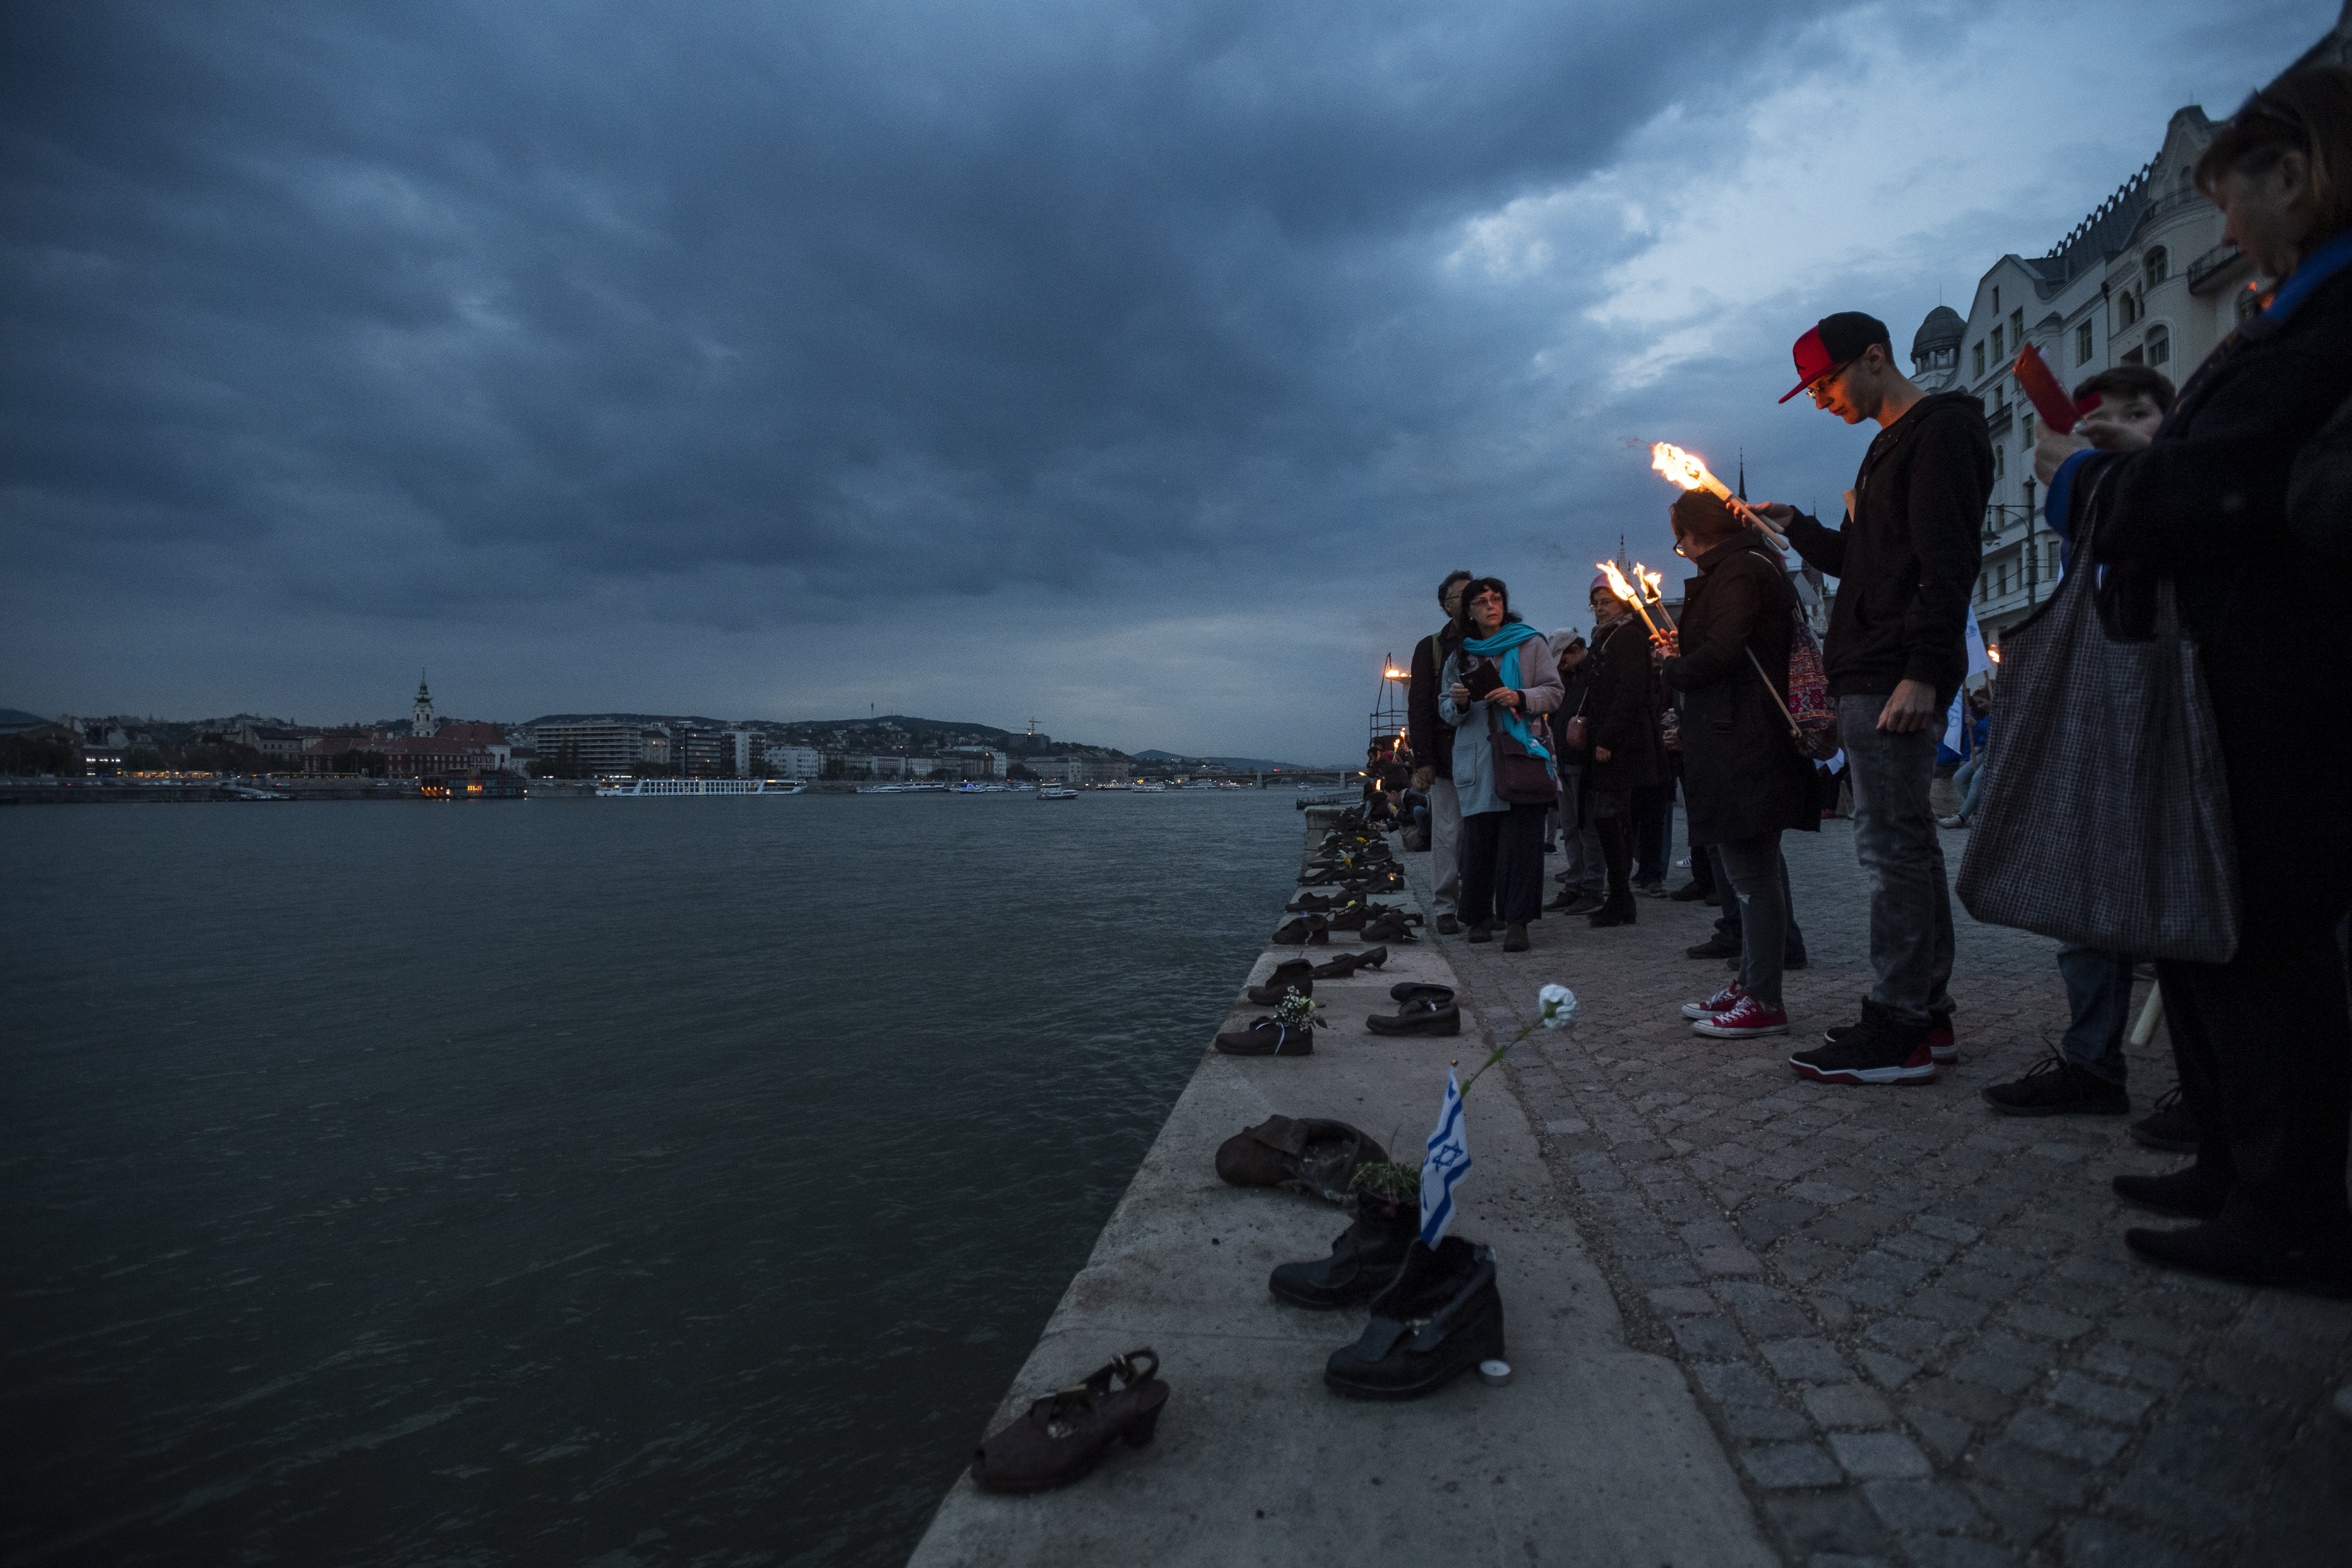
1595	1454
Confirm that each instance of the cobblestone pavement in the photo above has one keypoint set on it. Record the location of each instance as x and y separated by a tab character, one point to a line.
1914	1322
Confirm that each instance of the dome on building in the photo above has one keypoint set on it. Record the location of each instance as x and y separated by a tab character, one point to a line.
1943	329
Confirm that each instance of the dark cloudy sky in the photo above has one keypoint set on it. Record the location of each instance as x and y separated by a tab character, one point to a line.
1139	367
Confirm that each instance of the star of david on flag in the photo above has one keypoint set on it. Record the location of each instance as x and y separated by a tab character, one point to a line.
1444	1160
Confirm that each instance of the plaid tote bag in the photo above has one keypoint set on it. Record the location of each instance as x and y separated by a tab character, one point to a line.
2106	814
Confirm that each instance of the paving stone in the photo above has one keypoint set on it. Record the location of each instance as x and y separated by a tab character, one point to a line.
1879	1456
1735	1382
2039	1429
1886	1371
1922	1508
2012	1464
1782	1465
2145	1368
1958	1552
1714	1338
1681	1299
1838	1521
1820	1193
1848	1405
2046	1321
1806	1361
1947	1437
1775	1422
1912	1337
2100	1543
2100	1401
1728	1261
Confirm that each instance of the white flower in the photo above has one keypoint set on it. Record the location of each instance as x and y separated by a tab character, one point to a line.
1558	1006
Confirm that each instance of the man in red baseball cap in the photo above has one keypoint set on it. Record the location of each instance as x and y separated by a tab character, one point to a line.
1905	560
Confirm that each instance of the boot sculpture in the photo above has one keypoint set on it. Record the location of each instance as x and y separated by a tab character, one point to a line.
1439	1316
1291	975
1365	1257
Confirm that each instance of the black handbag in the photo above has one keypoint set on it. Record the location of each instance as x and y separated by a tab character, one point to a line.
2105	813
1520	776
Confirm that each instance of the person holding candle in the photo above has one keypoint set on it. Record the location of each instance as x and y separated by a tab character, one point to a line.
1905	561
1502	840
1747	782
1621	712
2263	1043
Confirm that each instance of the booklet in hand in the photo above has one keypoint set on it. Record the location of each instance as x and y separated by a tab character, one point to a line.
1483	682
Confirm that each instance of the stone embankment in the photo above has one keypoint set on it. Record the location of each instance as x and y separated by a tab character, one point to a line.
1595	1454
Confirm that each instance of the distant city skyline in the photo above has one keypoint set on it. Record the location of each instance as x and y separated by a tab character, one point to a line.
1139	366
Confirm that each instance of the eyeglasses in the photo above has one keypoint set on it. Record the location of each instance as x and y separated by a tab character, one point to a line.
1489	598
2276	113
1821	387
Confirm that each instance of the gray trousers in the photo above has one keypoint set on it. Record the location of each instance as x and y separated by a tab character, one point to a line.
1444	845
1895	839
2098	998
1579	838
1753	867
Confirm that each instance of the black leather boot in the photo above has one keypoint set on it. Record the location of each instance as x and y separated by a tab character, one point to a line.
1439	1316
1617	858
1365	1257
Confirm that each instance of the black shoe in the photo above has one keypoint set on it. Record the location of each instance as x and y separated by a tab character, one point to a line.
1713	947
1448	926
1796	959
1419	1016
1586	904
1439	1317
1390	927
2056	1087
2170	1127
1688	893
2322	1267
1267	1038
1515	937
1880	1049
1618	912
1291	975
2184	1194
1306	931
1483	931
1421	991
1567	897
1365	1258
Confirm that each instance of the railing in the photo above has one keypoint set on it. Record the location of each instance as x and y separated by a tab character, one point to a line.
2215	261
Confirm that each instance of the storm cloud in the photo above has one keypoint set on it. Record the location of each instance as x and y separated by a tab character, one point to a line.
1137	366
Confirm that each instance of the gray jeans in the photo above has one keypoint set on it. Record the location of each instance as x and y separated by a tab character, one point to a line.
2098	1000
1444	845
1579	838
1753	865
1895	839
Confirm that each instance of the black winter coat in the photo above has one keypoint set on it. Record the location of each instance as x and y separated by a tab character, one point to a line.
1432	742
1907	561
1621	712
1742	774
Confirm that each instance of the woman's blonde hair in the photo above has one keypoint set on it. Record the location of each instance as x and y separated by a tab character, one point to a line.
2308	111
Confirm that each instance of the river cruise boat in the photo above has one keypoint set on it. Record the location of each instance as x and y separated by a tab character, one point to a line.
633	787
1057	792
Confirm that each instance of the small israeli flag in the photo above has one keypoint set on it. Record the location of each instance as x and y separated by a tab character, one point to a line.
1444	1162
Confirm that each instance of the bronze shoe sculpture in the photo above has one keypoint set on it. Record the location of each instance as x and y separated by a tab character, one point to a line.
1268	1038
1306	931
1344	964
1065	1434
1301	1154
1291	975
1390	927
1418	1015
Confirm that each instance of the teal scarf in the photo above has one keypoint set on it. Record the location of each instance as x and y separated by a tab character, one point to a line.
1505	642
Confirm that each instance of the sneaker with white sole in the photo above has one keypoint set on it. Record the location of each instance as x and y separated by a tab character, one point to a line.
1941	1047
1749	1018
1723	1001
1879	1050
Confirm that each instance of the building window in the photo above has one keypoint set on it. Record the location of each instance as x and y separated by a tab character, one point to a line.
2029	501
1978	354
2001	571
2160	267
2055	567
2025	430
2159	346
2131	356
1998	353
2017	328
2083	343
2000	462
1996	299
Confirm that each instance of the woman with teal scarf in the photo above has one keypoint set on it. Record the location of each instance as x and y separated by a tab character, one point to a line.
1502	841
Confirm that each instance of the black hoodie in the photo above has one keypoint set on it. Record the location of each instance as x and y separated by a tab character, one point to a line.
1906	561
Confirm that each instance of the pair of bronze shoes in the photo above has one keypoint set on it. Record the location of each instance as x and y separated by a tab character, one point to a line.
1064	1436
1306	931
1268	1036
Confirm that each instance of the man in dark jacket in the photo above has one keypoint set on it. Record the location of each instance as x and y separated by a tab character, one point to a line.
1433	750
1627	753
1745	780
1905	561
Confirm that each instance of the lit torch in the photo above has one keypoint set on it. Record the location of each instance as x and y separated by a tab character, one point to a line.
1624	590
1685	470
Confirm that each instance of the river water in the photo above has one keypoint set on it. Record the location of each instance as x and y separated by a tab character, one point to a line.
571	1181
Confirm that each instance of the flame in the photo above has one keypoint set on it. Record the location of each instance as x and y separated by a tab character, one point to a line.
1395	675
1993	653
1678	465
1650	580
1617	583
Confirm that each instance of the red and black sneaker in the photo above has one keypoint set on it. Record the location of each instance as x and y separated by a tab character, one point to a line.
1749	1018
1940	1046
1723	1001
1879	1050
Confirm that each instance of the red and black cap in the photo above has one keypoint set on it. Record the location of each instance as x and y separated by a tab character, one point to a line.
1833	343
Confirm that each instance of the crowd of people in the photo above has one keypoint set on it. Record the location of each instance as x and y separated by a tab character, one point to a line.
2231	492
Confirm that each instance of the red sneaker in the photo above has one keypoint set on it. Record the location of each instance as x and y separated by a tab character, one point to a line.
1940	1047
1749	1018
1723	1001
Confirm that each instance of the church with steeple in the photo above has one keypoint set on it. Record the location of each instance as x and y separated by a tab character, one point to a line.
422	723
